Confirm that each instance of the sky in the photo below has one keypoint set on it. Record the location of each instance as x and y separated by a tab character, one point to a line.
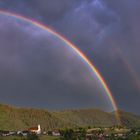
106	31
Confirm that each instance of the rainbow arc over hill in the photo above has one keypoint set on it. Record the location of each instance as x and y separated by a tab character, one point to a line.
76	49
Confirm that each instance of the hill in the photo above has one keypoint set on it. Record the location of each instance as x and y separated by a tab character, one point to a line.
87	117
129	119
14	118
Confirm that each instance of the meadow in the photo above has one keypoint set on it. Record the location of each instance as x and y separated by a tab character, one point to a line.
43	137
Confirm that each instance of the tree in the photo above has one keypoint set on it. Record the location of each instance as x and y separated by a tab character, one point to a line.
32	137
68	134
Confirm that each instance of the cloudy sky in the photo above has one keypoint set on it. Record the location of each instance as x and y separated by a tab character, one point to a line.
107	31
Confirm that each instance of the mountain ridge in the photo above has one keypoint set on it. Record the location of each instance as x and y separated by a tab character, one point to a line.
18	118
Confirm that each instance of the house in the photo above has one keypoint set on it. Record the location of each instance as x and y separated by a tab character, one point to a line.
4	133
23	133
56	132
94	131
36	130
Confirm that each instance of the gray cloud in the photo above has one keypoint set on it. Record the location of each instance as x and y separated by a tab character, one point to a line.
37	69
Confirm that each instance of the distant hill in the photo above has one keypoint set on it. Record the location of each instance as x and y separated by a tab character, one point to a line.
13	118
87	117
129	119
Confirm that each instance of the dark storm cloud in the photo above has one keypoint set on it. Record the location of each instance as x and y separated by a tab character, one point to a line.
37	69
106	31
45	10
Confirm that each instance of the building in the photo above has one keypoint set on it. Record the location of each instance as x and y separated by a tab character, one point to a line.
36	130
56	132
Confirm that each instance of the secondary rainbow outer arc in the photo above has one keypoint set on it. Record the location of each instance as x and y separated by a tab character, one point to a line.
77	50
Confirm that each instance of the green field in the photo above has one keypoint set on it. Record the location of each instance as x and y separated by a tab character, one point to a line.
57	138
49	138
24	138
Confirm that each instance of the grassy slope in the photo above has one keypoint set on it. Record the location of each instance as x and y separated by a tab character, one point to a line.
12	118
20	118
87	117
129	119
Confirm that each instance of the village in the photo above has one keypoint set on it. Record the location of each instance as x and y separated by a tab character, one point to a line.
95	133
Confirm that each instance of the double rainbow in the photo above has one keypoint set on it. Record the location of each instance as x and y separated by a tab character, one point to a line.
77	50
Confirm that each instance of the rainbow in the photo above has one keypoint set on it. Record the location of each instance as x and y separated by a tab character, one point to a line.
77	50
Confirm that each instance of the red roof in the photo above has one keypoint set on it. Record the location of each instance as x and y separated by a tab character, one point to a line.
33	128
